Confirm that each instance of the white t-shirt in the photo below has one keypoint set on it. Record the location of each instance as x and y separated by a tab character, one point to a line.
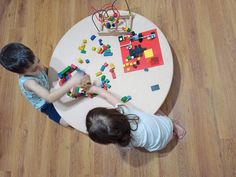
153	133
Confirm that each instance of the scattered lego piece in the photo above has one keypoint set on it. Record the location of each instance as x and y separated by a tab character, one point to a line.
113	74
105	82
146	69
98	73
155	87
83	51
129	98
99	49
80	60
125	99
104	47
107	51
112	66
93	48
87	61
105	64
100	42
108	54
92	37
103	77
102	68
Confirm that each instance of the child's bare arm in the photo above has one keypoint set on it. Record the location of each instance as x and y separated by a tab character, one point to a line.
106	95
50	97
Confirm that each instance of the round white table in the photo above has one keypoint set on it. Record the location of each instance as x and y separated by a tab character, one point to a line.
137	84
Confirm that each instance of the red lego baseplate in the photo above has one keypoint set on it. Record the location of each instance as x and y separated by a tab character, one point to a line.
152	51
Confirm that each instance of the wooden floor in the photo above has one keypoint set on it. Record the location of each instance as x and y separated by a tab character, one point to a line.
202	34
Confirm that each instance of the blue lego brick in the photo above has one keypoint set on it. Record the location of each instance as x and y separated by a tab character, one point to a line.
102	68
106	54
87	61
92	37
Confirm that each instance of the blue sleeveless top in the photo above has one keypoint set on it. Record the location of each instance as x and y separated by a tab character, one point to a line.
34	99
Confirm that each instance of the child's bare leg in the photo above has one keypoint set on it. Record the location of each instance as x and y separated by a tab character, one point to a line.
178	130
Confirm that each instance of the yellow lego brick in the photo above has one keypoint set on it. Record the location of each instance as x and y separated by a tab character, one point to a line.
81	47
80	60
99	73
148	53
112	65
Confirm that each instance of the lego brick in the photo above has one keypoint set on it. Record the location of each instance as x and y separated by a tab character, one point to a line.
83	51
124	99
92	37
107	51
108	54
67	69
102	68
73	66
155	87
98	73
80	60
87	61
113	74
148	53
129	98
103	78
105	64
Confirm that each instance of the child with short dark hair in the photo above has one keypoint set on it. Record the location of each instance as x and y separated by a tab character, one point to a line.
33	79
128	126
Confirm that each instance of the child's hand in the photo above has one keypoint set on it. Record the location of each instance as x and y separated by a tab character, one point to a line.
93	89
80	80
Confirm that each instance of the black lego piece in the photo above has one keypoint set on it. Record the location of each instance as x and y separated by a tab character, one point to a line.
140	37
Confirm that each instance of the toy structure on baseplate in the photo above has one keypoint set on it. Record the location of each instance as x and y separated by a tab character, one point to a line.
67	74
109	21
140	51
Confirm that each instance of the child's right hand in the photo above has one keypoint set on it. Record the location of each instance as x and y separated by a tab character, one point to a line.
80	80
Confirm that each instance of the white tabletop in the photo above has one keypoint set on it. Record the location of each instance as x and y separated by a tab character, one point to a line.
136	84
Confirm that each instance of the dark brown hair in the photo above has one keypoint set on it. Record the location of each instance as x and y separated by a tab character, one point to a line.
107	126
16	57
